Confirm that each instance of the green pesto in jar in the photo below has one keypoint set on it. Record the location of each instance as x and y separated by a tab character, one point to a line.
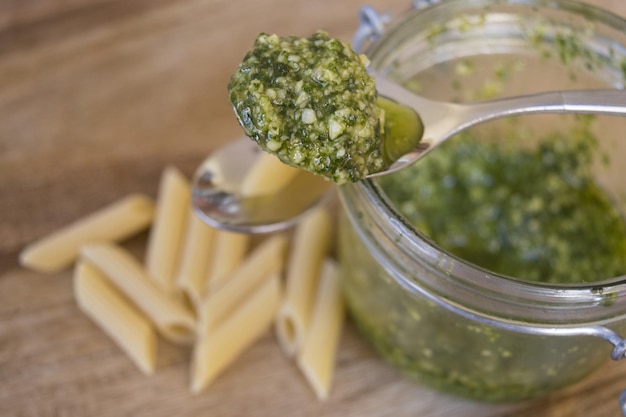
535	214
522	202
311	102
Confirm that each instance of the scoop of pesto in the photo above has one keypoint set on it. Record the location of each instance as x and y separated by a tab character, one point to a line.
311	102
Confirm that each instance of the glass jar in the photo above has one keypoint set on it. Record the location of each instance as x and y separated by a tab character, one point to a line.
437	317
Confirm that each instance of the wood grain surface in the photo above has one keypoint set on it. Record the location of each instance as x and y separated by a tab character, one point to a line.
96	98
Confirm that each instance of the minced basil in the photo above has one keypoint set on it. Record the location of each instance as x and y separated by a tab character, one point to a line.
534	214
311	102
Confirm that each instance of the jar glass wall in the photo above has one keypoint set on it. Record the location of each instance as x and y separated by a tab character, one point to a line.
451	323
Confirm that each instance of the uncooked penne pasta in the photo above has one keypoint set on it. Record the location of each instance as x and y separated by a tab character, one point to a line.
173	320
310	247
230	250
267	176
195	259
116	316
114	222
167	234
267	259
218	348
316	358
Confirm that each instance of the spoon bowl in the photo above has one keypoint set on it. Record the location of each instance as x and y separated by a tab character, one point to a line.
217	201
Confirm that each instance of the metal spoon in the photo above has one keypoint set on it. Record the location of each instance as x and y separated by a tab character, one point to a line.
217	202
214	194
442	120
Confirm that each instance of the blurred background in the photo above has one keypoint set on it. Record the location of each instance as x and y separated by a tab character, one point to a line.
96	98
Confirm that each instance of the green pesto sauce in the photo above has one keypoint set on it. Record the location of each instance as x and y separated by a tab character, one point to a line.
534	214
311	102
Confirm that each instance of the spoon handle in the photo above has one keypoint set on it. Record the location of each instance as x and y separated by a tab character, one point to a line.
609	102
442	120
462	116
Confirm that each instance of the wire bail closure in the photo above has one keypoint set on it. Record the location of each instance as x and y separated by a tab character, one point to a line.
372	24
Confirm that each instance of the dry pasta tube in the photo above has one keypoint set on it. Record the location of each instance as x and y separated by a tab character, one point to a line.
118	318
166	237
267	259
230	251
310	247
114	222
218	348
196	256
267	176
173	321
316	359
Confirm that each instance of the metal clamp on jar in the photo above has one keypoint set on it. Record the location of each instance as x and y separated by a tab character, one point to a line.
454	323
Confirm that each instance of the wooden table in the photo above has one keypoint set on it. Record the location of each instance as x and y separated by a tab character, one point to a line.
96	98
